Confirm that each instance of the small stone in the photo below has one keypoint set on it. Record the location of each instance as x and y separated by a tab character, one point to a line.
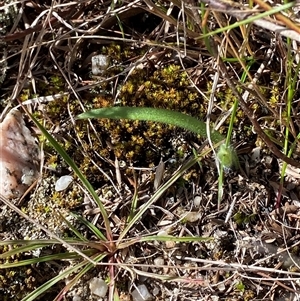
77	298
221	286
192	217
159	261
98	287
19	156
141	294
63	183
197	201
100	63
255	155
156	291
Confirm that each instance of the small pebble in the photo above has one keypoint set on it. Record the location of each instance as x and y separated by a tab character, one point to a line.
98	287
63	183
99	64
221	287
192	217
141	294
159	261
255	155
197	201
156	291
77	298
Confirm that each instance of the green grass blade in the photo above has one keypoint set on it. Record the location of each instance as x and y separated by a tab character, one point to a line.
175	238
89	225
43	288
156	115
76	278
73	229
36	260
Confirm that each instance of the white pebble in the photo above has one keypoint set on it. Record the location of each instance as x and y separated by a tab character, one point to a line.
77	298
63	183
159	261
100	63
156	291
141	294
98	287
255	156
197	201
192	217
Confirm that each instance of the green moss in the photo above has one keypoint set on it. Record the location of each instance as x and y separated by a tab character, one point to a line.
240	286
274	99
249	295
25	95
57	82
244	218
12	280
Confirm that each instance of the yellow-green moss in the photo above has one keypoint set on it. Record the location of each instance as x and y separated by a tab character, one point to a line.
69	199
12	280
274	99
25	95
249	295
